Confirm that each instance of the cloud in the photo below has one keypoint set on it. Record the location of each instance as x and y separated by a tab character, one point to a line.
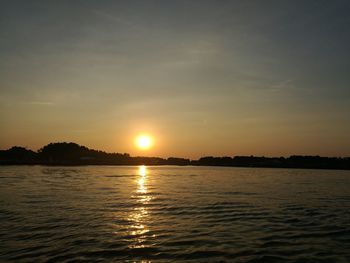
282	85
41	103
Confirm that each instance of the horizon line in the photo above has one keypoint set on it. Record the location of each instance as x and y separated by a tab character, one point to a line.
191	159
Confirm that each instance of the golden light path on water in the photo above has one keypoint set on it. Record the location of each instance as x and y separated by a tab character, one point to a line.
140	215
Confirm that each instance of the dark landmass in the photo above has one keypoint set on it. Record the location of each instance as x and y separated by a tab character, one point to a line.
74	154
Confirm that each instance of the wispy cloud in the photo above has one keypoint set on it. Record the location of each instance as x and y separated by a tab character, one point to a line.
41	103
113	17
282	85
81	131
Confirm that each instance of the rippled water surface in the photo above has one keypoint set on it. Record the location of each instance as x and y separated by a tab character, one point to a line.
177	214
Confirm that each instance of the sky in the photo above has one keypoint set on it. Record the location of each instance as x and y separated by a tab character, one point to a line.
219	78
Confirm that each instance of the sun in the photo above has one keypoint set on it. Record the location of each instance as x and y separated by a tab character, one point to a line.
144	142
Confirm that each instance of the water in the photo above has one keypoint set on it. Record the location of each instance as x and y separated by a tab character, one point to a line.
177	214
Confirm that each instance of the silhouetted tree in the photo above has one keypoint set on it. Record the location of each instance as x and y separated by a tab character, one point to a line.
63	153
17	155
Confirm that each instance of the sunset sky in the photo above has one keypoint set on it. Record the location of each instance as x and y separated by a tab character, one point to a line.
201	77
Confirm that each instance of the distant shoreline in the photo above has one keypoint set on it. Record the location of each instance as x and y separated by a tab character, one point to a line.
72	154
176	165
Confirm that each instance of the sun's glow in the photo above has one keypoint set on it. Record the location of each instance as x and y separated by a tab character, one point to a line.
144	142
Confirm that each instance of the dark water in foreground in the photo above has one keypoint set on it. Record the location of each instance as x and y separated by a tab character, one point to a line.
177	214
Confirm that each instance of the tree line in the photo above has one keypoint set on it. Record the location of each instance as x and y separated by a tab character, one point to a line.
64	153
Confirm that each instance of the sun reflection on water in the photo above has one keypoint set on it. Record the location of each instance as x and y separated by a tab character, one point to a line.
138	217
142	170
141	189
